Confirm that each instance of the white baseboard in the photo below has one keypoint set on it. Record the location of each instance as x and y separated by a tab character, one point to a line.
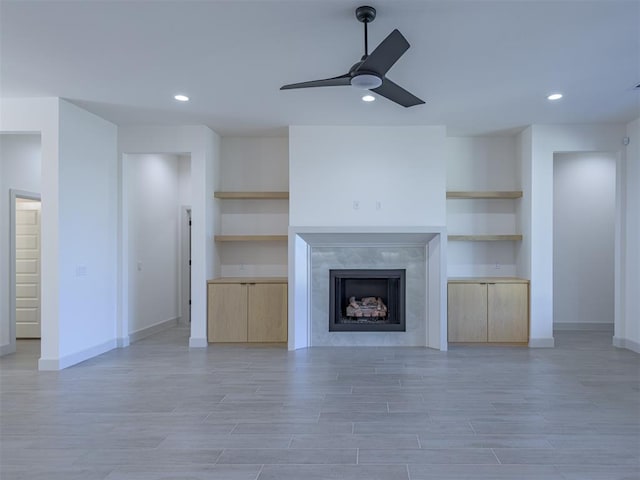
541	342
626	343
122	342
7	349
152	329
198	342
574	326
53	364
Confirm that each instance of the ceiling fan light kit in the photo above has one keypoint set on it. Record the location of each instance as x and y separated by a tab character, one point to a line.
366	80
370	72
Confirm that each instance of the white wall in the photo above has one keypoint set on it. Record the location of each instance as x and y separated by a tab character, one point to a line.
79	227
41	115
20	164
483	163
254	164
627	329
395	175
184	180
154	201
538	145
203	145
584	216
480	164
88	236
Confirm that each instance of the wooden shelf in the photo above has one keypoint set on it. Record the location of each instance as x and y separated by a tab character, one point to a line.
252	195
248	280
484	238
251	238
487	280
486	194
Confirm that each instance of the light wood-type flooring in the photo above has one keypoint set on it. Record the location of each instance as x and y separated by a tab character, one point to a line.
158	410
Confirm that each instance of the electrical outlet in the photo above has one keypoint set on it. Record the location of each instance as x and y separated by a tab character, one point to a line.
356	204
378	205
497	267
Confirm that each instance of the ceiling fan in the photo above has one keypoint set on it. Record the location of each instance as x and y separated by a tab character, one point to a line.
370	72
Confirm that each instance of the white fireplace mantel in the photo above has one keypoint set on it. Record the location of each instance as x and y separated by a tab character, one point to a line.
303	239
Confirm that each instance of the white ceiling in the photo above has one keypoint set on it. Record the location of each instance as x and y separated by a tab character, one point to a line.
482	66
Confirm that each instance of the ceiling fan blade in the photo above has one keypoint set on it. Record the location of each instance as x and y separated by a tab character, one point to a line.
327	82
397	94
386	54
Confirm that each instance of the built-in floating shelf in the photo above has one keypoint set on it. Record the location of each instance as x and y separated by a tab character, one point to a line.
251	238
485	194
252	195
484	238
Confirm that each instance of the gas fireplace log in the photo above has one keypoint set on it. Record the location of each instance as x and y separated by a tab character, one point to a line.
366	307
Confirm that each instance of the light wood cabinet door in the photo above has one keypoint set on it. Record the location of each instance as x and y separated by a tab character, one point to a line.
467	305
267	316
508	312
227	313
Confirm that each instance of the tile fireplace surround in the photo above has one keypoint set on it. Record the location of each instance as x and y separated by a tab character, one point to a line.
313	251
412	259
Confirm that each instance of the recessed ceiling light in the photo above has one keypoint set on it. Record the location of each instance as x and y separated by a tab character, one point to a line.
181	98
554	96
368	98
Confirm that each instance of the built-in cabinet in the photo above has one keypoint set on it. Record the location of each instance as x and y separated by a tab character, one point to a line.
247	301
488	310
247	310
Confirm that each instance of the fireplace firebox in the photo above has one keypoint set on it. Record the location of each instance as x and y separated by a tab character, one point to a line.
367	300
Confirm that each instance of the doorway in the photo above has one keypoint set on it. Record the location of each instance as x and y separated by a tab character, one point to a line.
584	218
156	243
25	262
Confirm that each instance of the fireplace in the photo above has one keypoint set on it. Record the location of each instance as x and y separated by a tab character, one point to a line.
367	300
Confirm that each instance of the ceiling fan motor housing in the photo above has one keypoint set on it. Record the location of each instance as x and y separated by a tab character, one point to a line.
365	14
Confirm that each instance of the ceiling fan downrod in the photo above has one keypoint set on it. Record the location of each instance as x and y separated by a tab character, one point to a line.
366	14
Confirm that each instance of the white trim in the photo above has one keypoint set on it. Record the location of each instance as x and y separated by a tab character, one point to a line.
626	343
153	329
198	342
122	321
122	342
184	277
620	247
541	342
13	195
54	364
575	326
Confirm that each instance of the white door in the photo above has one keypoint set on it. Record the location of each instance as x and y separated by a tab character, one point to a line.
27	268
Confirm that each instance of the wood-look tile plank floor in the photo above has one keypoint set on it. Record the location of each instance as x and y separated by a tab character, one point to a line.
160	411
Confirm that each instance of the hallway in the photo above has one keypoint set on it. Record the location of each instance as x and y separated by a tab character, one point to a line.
157	410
